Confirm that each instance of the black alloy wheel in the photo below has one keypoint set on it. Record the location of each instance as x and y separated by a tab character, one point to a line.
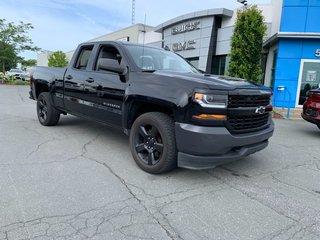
42	110
152	142
48	115
149	145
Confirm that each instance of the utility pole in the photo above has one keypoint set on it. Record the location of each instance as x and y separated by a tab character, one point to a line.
133	11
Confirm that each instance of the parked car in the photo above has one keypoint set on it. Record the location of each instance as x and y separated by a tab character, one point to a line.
174	114
311	107
18	73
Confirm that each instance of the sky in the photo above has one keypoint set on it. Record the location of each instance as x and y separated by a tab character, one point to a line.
63	24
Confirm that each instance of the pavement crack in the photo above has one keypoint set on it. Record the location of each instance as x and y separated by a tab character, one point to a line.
294	186
276	234
83	224
127	186
21	98
253	198
165	195
270	173
66	216
20	203
84	147
297	232
39	146
20	95
84	151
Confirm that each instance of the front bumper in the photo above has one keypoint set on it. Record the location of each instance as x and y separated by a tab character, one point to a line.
310	119
206	147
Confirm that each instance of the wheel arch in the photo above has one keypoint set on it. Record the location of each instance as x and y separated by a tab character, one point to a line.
41	87
136	107
152	142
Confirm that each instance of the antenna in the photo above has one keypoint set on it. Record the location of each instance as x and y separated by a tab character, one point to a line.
133	11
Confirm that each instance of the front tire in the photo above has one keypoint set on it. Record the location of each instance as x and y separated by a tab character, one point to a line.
47	114
153	144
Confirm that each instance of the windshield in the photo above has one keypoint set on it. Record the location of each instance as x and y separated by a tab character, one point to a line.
154	59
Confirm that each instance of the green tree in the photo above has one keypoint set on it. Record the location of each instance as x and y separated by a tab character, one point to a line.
8	57
58	59
13	40
29	62
246	45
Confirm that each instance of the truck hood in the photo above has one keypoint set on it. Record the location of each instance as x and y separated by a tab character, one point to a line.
212	81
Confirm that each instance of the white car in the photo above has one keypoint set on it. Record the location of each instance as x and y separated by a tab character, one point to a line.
18	73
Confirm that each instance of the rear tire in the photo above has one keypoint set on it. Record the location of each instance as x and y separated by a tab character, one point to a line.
47	114
153	143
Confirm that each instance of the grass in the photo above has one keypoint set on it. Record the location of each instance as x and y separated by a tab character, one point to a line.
11	80
16	82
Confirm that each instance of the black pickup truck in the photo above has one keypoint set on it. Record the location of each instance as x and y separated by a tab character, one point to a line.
174	114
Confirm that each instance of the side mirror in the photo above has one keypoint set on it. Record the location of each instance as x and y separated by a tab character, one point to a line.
111	65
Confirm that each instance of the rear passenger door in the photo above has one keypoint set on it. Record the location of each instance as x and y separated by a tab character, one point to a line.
105	90
74	81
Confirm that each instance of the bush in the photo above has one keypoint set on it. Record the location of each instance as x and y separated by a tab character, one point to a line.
11	80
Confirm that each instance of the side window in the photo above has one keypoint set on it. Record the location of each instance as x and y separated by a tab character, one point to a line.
83	57
108	52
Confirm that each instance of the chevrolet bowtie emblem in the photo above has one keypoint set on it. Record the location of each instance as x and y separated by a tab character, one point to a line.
260	110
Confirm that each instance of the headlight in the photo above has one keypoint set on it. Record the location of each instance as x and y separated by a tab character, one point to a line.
211	100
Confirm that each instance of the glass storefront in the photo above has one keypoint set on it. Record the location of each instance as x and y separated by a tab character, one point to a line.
219	65
194	61
309	78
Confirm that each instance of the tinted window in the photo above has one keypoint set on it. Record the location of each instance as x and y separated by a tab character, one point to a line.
83	57
108	52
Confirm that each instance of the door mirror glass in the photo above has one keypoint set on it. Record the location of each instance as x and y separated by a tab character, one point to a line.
111	65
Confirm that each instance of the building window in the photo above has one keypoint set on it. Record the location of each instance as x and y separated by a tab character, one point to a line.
309	79
194	61
219	65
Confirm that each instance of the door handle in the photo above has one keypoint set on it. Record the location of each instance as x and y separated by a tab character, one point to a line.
69	77
90	80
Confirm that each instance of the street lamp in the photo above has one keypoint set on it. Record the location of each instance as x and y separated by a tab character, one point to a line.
244	2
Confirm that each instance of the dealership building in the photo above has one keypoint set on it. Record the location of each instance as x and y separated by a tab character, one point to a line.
291	50
295	65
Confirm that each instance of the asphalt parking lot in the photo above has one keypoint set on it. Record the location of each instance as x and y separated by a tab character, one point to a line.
78	180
